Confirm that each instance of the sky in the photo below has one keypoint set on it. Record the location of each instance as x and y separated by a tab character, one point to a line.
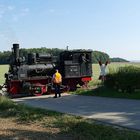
110	26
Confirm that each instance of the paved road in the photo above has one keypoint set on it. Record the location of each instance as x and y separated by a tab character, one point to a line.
121	112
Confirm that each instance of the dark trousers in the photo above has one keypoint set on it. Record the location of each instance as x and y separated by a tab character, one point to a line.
57	90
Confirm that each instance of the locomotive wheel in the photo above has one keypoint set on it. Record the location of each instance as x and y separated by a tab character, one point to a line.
37	89
36	93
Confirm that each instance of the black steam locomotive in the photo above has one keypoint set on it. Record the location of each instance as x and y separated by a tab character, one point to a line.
33	76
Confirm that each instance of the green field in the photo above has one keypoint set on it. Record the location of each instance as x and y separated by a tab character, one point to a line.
96	69
98	90
3	70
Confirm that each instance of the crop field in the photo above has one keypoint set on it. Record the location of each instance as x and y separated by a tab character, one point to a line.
3	70
96	69
111	66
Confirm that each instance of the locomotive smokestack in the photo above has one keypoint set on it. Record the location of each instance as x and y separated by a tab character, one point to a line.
67	48
16	52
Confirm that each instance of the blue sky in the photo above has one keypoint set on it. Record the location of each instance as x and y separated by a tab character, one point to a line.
111	26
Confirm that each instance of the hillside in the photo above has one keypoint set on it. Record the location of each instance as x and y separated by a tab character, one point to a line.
117	59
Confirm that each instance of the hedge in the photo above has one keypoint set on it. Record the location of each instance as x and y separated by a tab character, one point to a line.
126	79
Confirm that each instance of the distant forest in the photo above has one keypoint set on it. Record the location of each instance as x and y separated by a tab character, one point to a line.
96	55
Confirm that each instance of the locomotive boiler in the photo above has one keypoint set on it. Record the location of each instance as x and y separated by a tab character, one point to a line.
32	75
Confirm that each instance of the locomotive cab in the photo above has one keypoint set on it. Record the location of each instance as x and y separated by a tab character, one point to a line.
76	67
76	63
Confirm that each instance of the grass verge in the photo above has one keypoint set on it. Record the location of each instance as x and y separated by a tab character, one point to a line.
73	127
103	91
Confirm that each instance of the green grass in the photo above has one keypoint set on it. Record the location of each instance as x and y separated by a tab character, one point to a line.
75	127
96	68
23	112
3	70
107	92
110	67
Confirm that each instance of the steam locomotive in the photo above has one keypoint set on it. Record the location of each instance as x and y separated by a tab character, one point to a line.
32	76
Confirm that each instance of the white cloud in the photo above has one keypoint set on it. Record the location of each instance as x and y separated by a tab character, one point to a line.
24	11
10	11
58	12
5	9
15	18
10	8
2	11
1	35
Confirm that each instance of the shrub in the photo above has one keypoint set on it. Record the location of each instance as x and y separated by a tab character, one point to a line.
125	79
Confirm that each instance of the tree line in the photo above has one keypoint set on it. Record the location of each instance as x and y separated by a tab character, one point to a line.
96	55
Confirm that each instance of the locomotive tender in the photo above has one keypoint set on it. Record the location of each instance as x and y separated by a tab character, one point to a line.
33	76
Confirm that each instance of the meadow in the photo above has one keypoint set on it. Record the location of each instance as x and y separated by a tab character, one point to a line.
97	88
3	70
111	66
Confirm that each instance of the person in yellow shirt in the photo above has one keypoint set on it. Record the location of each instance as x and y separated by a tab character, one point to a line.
57	80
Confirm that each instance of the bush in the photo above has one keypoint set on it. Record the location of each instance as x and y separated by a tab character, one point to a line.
125	79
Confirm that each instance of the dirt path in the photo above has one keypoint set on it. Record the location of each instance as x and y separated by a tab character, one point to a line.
11	130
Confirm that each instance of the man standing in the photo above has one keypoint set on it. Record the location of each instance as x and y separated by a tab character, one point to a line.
57	80
102	70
